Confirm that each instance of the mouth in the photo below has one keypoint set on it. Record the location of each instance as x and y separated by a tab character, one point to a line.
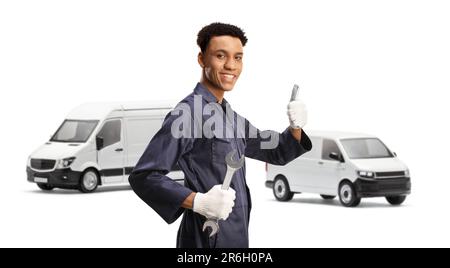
226	77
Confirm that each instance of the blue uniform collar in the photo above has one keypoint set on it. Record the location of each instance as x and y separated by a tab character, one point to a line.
206	94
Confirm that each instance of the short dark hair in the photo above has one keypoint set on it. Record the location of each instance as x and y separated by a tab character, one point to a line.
218	29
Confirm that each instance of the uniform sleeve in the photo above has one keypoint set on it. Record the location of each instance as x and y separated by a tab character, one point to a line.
148	179
287	150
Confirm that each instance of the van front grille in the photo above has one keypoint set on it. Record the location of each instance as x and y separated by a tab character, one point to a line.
42	164
391	174
403	184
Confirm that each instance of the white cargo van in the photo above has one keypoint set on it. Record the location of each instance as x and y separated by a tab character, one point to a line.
348	165
97	144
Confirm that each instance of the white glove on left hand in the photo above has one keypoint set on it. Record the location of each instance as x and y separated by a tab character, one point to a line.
297	114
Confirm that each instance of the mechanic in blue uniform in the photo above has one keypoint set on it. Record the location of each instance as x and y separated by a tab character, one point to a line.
202	157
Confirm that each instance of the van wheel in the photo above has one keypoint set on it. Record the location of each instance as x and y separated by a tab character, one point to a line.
89	181
328	197
281	189
396	200
347	195
45	186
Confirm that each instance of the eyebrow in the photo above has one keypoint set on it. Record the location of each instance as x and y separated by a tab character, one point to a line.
226	52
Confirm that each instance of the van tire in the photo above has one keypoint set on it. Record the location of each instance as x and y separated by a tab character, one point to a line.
396	200
281	189
328	197
347	195
89	181
45	187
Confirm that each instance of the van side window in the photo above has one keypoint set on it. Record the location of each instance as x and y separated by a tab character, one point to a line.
316	150
329	146
110	132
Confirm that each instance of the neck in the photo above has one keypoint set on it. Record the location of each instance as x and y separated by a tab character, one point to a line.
218	93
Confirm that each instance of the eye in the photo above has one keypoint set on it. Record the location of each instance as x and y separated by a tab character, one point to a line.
238	58
220	56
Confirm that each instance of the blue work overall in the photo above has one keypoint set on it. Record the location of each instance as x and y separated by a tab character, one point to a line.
202	159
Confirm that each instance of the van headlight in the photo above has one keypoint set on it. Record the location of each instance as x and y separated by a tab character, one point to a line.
65	163
407	173
29	161
366	174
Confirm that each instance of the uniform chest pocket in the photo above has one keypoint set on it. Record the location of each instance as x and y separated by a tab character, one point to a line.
220	148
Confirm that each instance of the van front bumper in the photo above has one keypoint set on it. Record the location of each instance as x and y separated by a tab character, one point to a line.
61	178
382	187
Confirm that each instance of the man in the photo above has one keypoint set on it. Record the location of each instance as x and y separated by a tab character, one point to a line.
202	158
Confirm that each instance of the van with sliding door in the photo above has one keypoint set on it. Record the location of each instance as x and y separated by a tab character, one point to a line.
349	165
97	144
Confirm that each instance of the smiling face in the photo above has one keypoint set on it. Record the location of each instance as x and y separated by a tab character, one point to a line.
221	63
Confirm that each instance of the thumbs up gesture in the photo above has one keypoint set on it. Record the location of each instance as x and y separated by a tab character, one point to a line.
296	111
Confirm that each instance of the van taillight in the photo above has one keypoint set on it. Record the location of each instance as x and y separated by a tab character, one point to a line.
266	167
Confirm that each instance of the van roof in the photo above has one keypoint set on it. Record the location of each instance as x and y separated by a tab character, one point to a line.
336	135
99	110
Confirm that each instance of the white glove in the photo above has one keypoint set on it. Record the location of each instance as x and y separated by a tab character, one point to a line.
216	203
297	114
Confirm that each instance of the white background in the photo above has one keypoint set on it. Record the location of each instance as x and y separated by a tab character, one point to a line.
380	67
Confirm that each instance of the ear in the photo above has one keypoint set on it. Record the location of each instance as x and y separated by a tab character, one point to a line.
200	60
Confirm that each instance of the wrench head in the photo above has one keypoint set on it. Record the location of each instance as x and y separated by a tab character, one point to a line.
231	162
213	225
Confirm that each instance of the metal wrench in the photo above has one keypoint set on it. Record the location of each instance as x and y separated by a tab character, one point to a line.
232	166
294	92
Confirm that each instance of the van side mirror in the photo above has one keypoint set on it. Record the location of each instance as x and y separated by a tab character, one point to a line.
336	157
99	142
394	153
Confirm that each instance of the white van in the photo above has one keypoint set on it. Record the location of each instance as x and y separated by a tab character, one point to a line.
348	165
97	144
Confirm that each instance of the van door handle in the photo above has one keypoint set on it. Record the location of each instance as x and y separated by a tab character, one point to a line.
119	150
320	163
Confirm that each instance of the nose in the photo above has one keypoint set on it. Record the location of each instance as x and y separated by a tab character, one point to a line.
230	64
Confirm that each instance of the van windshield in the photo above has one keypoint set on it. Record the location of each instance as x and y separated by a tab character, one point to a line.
365	148
74	131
